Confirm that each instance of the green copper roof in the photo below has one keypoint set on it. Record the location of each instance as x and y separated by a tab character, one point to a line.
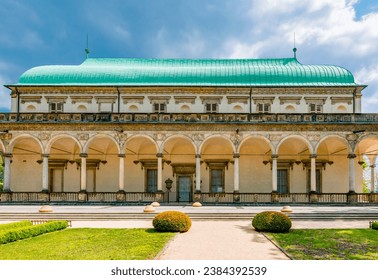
187	72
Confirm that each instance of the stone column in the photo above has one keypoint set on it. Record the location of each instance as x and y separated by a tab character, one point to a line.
358	103
83	174
198	173
160	172
372	179
274	173
351	173
7	172
313	173
236	172
121	178
14	97
45	173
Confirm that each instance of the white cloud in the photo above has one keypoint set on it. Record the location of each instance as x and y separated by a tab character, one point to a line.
327	32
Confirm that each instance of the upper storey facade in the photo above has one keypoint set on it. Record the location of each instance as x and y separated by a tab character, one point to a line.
121	85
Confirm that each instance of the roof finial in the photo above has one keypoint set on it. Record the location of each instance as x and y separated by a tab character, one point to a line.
87	48
295	49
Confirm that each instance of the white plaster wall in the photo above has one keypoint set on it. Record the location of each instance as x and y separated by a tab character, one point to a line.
26	174
72	178
254	176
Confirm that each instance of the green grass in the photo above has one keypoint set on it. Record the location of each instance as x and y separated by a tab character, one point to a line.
329	244
88	244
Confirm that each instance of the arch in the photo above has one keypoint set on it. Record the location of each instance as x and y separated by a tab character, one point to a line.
81	108
299	137
248	138
62	136
31	108
97	136
200	148
185	108
290	109
333	136
367	144
14	141
190	140
341	109
2	147
131	138
237	109
133	108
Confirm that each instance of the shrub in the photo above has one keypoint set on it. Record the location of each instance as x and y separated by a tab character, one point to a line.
172	221
15	225
271	221
15	234
374	225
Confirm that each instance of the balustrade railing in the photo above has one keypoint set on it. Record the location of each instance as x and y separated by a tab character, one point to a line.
186	117
206	198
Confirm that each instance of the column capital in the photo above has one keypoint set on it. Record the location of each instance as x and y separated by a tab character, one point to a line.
197	156
83	155
121	155
159	155
45	155
274	156
313	156
236	155
372	166
8	155
352	156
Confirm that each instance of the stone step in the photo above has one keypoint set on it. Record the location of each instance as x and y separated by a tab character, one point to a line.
214	216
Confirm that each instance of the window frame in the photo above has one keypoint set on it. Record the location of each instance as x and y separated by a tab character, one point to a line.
56	105
263	108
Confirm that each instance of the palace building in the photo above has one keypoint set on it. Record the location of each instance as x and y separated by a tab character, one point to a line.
182	130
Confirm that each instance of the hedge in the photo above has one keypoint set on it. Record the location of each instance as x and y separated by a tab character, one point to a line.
15	225
172	221
271	221
374	225
30	231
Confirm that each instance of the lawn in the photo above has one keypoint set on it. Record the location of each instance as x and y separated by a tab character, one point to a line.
88	244
329	244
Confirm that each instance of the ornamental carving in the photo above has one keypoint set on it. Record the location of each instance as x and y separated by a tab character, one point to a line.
313	137
275	137
198	137
236	139
159	136
83	136
44	136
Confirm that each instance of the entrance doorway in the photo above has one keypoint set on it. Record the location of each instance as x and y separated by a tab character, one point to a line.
184	187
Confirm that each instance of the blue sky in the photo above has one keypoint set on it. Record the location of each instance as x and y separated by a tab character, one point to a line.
44	32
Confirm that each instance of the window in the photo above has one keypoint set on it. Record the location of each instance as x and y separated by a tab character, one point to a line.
159	107
318	180
315	108
56	107
211	108
263	108
282	181
216	180
151	180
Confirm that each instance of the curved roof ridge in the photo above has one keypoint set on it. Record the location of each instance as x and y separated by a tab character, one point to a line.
189	72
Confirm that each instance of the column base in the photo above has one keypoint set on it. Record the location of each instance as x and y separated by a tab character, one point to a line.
352	197
236	196
314	198
83	196
44	196
6	196
275	197
197	197
121	196
159	196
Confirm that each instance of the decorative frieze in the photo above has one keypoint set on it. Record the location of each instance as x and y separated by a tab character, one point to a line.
335	100
30	99
81	99
133	99
185	99
290	99
237	99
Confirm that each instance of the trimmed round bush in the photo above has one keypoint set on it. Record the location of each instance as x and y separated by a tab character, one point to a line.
374	225
271	221
172	221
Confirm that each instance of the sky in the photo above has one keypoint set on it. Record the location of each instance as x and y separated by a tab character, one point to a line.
50	32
